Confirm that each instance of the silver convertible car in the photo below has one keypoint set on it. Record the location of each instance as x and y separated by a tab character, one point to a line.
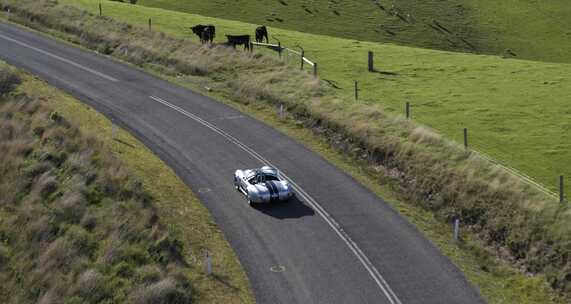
262	185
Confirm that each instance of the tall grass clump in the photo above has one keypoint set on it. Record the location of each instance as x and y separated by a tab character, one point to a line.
75	227
524	225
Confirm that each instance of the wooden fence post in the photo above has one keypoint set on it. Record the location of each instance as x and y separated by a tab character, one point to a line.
466	138
100	10
302	56
356	90
371	63
150	25
315	70
407	110
561	189
280	49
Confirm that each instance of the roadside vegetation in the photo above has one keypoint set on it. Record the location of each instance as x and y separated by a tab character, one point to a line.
515	110
77	226
522	225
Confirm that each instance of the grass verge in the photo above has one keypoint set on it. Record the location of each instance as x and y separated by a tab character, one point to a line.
505	213
77	225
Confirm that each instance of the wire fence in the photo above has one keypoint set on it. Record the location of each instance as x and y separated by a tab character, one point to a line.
526	178
290	55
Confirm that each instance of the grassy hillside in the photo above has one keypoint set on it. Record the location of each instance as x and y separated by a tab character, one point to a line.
77	226
538	30
512	218
516	111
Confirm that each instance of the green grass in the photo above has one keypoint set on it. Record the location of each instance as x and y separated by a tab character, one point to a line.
427	170
516	111
498	281
182	215
538	30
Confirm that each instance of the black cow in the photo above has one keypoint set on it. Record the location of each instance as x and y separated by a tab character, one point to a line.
261	33
206	33
234	40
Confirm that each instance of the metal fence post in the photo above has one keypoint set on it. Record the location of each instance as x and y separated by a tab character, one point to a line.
356	90
280	49
113	130
208	263
371	63
456	229
281	113
150	25
302	56
407	110
465	138
561	189
100	10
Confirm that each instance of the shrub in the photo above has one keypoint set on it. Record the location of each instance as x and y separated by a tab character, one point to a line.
58	256
9	80
58	210
166	291
70	208
40	231
167	249
81	241
45	185
91	287
148	274
3	257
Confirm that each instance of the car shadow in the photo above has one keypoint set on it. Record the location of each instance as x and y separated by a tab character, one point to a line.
293	208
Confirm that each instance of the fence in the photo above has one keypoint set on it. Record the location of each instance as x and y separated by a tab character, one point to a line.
285	52
517	173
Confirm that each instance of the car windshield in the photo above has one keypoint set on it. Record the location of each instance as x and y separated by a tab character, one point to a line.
266	177
272	178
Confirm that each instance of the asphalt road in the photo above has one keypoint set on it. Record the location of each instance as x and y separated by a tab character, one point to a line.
337	243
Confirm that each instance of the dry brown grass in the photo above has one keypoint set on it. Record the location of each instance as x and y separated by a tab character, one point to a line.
74	225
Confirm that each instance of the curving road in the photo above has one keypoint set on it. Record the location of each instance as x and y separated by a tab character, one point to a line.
336	243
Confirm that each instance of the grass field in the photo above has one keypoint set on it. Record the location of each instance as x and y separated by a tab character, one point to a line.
137	185
516	110
538	30
498	207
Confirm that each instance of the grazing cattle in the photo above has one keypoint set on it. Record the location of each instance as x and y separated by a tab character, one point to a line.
261	33
239	40
206	33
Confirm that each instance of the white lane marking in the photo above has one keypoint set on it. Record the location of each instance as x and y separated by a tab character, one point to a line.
375	274
75	64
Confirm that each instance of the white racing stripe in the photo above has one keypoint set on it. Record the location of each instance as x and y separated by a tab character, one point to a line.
375	274
72	63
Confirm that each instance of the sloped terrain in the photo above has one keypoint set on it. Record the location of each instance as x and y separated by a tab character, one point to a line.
528	29
78	225
516	110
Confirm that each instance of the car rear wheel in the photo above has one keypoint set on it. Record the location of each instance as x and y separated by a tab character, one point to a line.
236	186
